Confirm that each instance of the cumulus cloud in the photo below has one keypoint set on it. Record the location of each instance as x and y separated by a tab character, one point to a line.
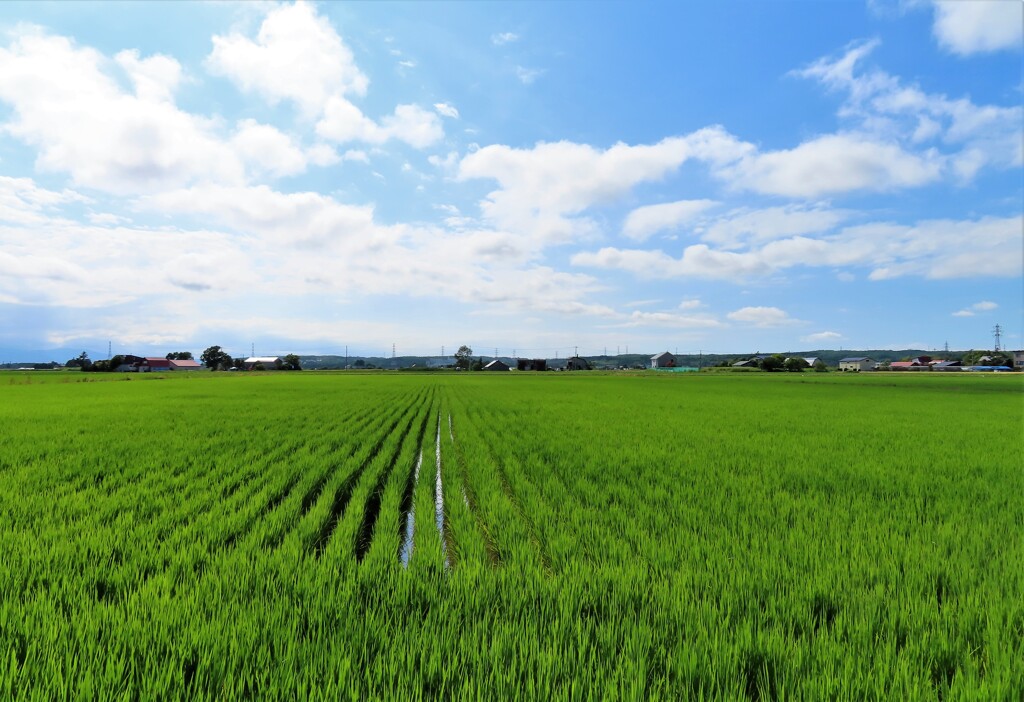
342	122
527	76
671	319
886	111
82	122
983	306
543	188
979	25
834	163
645	221
503	38
821	336
296	56
747	226
762	317
24	202
446	109
930	249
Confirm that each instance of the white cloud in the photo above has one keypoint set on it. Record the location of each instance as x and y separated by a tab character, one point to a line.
834	163
642	222
355	155
267	149
407	64
745	226
342	122
930	249
979	25
527	76
691	304
299	57
82	122
672	320
504	38
24	202
541	189
889	112
446	109
762	317
296	56
821	336
983	306
155	78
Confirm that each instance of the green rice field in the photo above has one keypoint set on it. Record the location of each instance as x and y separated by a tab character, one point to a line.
417	536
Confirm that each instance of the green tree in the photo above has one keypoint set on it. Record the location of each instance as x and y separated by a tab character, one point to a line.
772	363
463	357
794	364
360	363
291	362
81	362
179	356
820	367
215	357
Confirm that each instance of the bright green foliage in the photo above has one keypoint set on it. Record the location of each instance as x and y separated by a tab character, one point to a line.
659	536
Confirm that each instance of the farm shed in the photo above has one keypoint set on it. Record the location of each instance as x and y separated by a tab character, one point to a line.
268	362
576	363
151	363
129	363
751	363
856	363
663	360
496	365
531	364
185	365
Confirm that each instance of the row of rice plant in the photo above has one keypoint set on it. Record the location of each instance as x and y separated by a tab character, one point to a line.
573	536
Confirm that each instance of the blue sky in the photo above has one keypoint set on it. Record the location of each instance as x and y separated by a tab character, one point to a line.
728	177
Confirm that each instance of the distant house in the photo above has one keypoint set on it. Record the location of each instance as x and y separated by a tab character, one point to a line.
185	365
496	365
576	363
1018	359
663	360
531	364
153	363
946	366
856	363
749	363
129	363
268	362
811	361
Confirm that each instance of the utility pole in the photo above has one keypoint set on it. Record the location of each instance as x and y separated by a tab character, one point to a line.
997	333
346	355
108	350
442	352
495	353
700	363
252	351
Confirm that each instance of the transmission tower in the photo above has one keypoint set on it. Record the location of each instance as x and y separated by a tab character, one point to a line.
997	333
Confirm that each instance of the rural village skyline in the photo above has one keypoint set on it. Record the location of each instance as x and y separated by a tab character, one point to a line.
726	177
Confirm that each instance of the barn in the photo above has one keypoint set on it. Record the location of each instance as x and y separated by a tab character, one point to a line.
576	363
531	364
663	360
496	365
